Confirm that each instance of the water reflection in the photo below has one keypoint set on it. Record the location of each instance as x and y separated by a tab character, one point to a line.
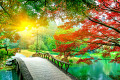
8	75
101	70
106	67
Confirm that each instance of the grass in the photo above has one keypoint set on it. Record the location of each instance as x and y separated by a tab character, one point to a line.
28	53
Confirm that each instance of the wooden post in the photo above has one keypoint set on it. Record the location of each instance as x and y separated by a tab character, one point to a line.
58	63
66	66
61	64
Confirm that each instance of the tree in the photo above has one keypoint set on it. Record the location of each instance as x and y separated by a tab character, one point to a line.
99	19
7	14
65	49
100	27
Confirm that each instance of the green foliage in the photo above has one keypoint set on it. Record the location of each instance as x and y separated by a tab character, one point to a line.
40	46
63	31
11	53
32	47
10	44
70	61
50	42
45	42
71	8
4	55
14	45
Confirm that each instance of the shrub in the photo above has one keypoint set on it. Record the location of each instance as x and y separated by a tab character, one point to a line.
4	55
3	52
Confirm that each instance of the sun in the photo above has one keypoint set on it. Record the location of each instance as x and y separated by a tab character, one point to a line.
24	22
26	25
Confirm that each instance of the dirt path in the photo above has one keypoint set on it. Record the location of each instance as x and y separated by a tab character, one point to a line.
26	53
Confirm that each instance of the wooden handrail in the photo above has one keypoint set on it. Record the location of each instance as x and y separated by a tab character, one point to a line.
57	62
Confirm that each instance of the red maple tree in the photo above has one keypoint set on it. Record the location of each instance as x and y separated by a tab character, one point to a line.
101	27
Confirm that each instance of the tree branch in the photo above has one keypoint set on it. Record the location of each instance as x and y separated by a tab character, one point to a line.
45	3
104	24
115	20
110	8
5	11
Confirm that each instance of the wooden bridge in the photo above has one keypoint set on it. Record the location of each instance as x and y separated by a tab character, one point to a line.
42	67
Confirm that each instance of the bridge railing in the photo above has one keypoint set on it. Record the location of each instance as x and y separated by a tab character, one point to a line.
57	62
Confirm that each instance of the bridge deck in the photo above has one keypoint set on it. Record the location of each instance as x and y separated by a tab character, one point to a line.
40	69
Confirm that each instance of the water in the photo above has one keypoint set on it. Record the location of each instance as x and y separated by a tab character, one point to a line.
101	70
8	75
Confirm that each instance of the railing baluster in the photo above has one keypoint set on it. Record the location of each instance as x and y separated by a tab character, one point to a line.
66	66
61	64
48	57
58	63
44	55
54	61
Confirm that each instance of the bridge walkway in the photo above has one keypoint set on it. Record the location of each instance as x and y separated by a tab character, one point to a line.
37	68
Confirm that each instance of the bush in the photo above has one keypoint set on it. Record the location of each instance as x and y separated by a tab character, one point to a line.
11	52
3	52
32	47
4	55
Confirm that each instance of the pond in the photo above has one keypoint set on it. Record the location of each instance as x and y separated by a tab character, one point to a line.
101	70
8	75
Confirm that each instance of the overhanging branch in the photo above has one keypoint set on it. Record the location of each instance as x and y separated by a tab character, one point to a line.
104	24
4	9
